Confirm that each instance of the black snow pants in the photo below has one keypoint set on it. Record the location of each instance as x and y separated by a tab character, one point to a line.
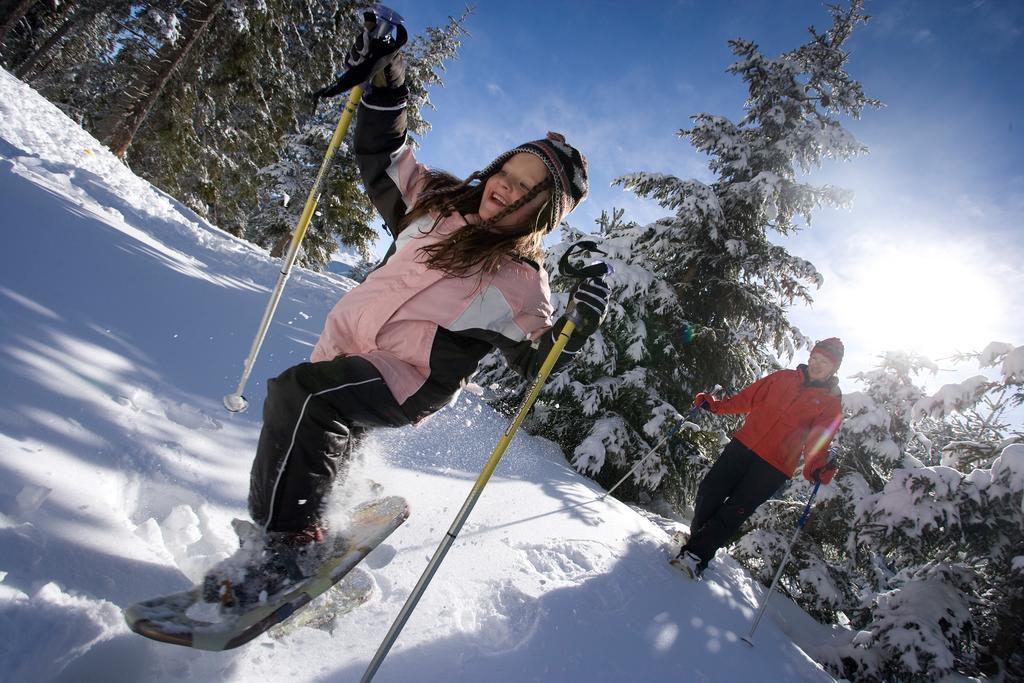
738	482
313	416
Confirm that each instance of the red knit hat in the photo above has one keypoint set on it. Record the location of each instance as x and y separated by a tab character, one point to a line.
832	348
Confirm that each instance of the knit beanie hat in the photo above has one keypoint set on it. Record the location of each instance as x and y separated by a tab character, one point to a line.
568	169
832	348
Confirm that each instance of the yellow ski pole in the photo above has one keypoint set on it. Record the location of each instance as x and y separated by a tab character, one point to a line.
467	507
236	402
492	462
387	21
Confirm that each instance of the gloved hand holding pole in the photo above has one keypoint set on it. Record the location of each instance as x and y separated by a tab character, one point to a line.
595	270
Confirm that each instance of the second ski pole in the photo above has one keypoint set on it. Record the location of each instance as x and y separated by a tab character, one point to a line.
594	270
236	402
387	20
749	638
689	416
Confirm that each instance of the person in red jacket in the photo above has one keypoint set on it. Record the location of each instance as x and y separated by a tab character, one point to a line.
789	413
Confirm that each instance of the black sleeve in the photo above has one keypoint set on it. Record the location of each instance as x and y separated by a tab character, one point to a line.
527	357
380	132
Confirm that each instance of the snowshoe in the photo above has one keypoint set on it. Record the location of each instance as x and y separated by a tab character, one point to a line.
356	588
255	589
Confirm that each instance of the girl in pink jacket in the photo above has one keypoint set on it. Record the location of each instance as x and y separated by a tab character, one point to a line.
462	277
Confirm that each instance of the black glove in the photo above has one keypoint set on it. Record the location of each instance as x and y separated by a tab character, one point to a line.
382	53
589	306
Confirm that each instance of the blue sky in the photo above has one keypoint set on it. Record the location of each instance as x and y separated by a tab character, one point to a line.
929	256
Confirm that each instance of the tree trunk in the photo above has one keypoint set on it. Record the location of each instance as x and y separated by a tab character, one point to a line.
120	127
281	246
15	15
1008	638
82	15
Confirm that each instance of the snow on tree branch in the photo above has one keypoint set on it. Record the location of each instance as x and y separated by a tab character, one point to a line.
953	397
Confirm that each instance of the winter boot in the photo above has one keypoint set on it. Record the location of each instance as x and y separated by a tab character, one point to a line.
691	565
265	564
296	554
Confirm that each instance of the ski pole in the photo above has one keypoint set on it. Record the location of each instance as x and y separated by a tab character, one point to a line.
236	402
689	416
749	638
485	475
388	19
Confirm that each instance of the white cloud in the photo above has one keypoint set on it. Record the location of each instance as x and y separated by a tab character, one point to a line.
923	36
920	274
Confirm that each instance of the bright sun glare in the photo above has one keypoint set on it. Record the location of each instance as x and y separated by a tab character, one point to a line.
923	298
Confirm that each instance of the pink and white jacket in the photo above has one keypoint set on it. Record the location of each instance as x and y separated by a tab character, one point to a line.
425	332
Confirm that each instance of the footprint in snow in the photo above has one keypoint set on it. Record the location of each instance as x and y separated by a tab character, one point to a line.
568	561
188	416
576	562
501	621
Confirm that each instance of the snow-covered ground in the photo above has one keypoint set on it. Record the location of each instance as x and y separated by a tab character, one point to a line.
124	318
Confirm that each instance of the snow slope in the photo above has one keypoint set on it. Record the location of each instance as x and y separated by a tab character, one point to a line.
124	318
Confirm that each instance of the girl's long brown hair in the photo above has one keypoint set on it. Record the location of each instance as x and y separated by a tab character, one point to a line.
478	247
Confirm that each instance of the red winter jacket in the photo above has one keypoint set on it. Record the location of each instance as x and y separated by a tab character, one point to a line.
787	415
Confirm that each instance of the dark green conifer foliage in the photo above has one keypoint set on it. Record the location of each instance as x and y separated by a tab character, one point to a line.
343	213
209	100
701	295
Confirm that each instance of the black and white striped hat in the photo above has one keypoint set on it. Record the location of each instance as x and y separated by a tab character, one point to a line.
568	168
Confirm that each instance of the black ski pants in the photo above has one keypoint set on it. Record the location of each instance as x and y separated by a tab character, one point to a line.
312	419
738	482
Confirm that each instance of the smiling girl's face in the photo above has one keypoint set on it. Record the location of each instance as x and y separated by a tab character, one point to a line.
515	178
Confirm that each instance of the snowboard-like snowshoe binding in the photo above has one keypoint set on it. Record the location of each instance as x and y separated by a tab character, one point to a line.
266	563
266	582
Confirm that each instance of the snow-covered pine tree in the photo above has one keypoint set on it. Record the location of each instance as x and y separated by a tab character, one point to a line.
242	85
82	64
343	214
22	29
991	501
120	65
54	29
180	33
621	383
970	435
15	14
915	552
225	117
709	268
